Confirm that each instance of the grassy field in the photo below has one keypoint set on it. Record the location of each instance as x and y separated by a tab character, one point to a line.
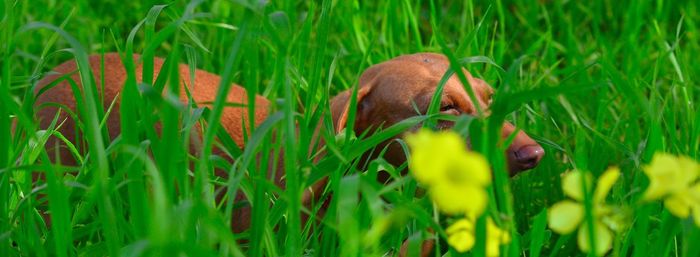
597	83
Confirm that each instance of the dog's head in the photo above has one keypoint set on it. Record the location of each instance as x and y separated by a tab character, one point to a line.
398	89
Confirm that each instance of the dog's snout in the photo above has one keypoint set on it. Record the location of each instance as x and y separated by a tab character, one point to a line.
527	157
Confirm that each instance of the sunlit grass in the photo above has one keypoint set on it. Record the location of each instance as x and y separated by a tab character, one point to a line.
597	83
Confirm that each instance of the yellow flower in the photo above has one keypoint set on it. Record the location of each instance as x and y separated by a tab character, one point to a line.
495	237
675	179
461	236
456	178
565	216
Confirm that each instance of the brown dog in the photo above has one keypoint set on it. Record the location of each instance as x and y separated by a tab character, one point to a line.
387	94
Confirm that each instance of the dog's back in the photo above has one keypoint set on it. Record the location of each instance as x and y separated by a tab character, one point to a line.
203	91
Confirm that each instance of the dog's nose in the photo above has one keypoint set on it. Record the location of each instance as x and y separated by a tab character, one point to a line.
525	158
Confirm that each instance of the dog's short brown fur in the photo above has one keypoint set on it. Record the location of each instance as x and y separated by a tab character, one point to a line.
203	91
387	94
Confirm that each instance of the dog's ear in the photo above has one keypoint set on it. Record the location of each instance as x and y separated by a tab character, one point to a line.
340	107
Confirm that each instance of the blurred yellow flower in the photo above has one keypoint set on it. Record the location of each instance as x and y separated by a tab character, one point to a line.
565	216
675	179
495	237
461	235
456	178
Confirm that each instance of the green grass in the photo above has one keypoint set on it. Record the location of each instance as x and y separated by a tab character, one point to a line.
598	83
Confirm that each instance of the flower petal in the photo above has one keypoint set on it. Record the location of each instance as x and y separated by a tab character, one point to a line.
424	168
423	163
495	236
605	183
615	220
565	216
678	205
478	168
461	224
493	248
656	190
695	205
603	239
460	235
571	184
467	169
665	176
690	169
433	153
459	199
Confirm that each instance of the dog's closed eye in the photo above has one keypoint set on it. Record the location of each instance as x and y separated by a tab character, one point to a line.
446	107
449	108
